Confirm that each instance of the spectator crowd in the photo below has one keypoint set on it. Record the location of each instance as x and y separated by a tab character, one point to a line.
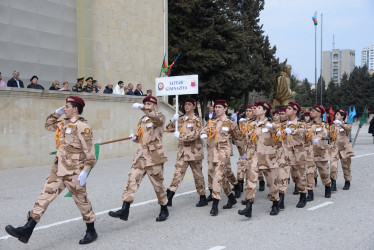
90	86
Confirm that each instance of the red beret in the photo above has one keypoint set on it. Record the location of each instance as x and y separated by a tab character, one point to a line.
191	100
249	106
150	99
264	105
307	114
283	109
341	110
75	99
295	106
221	102
319	109
275	112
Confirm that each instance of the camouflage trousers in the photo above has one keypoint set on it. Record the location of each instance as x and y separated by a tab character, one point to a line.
311	170
299	177
346	166
221	180
228	173
283	176
53	187
156	176
323	169
271	176
241	169
180	170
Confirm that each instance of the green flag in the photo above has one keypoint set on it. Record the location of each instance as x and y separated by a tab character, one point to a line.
97	151
364	117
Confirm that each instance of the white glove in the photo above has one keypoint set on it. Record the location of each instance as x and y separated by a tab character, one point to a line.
133	137
137	106
203	136
175	118
176	134
288	131
242	120
260	122
269	125
60	111
289	122
337	122
315	141
243	156
279	133
82	177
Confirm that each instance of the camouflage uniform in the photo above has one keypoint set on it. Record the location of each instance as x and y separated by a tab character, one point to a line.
321	150
284	167
190	152
310	165
75	152
341	149
149	158
225	130
295	152
88	89
264	159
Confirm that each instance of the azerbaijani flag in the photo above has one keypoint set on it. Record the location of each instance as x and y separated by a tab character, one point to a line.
165	68
331	112
314	18
364	117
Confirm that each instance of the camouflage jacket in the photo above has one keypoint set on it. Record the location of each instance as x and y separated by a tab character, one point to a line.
340	144
75	149
190	146
294	143
321	150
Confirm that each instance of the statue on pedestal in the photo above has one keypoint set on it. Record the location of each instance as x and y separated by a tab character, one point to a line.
282	92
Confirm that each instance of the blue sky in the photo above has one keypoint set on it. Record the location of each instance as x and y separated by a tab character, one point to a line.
289	25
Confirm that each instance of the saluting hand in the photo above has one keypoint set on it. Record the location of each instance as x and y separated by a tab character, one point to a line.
60	111
137	106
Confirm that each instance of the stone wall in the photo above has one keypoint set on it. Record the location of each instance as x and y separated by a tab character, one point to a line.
24	141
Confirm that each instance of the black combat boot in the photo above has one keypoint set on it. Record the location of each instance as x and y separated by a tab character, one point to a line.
91	234
347	185
333	185
244	202
123	213
209	198
302	200
214	210
327	192
231	202
23	234
247	211
295	192
310	196
275	208
164	213
237	191
315	181
241	183
261	186
281	201
202	202
170	195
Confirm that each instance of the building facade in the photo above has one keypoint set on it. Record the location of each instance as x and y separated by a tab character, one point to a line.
367	58
337	62
110	40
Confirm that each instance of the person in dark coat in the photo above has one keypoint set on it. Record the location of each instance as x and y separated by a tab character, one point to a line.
108	89
371	128
15	82
34	83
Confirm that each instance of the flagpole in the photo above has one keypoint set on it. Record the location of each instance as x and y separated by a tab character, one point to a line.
321	59
315	59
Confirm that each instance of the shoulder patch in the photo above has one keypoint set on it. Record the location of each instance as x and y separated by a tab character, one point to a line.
87	131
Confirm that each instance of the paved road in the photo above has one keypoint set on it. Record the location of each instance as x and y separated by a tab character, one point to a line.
343	222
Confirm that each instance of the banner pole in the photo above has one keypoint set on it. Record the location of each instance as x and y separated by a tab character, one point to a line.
176	112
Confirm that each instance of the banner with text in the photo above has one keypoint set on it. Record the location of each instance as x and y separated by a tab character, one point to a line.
177	85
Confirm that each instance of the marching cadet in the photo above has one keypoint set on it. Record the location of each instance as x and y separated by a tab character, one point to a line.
149	159
243	126
79	86
74	159
89	87
264	158
284	168
310	165
221	130
295	151
190	151
321	147
341	149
